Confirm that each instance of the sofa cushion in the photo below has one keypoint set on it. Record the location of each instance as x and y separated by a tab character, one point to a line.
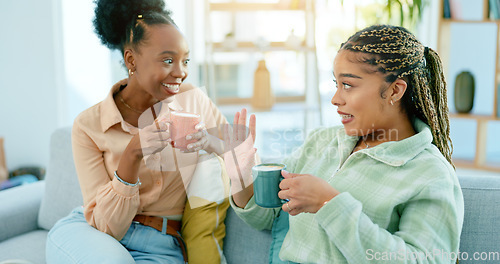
62	190
29	246
203	226
480	231
244	244
19	209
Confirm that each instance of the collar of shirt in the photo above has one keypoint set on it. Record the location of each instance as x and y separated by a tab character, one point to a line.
393	153
110	115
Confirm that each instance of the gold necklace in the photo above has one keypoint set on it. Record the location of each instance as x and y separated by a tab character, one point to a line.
128	106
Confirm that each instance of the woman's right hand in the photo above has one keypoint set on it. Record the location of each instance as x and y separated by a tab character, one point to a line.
154	138
239	157
150	140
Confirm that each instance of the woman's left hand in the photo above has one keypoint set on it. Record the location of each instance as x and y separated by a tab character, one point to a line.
305	193
204	141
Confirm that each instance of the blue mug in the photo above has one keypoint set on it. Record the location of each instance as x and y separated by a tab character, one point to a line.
266	180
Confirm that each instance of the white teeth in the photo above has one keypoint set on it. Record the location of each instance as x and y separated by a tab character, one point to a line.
171	86
345	116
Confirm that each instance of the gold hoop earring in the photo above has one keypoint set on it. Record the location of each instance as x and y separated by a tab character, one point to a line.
130	72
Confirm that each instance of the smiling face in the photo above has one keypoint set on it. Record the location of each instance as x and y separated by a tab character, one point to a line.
160	62
363	96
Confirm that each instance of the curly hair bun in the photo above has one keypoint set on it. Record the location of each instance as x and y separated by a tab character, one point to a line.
114	17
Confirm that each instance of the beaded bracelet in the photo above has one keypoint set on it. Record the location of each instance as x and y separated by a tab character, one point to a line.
127	183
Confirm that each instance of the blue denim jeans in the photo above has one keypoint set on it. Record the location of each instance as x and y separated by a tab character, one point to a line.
73	240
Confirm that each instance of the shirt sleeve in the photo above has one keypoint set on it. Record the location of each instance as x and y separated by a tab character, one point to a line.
109	205
255	216
428	231
262	218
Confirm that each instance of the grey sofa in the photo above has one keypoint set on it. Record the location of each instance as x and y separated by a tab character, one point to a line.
28	212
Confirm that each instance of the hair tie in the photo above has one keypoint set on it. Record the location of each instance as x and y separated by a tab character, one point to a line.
424	58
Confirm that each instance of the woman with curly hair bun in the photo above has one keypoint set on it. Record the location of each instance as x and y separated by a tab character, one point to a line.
132	175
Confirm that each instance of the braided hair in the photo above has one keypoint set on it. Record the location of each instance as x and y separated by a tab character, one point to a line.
397	53
123	23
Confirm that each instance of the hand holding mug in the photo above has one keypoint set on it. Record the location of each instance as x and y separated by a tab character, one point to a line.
305	193
154	138
199	139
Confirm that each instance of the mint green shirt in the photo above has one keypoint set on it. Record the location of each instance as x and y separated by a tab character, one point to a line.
400	202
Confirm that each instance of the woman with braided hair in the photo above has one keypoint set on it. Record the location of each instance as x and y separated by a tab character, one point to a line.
380	188
133	180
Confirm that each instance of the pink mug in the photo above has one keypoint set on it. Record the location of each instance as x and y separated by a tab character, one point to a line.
181	125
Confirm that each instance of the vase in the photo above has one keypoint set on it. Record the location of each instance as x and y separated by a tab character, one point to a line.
230	42
263	97
464	92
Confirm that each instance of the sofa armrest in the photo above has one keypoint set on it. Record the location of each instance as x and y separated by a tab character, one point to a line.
19	209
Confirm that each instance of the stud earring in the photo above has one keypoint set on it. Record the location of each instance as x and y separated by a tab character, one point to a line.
392	102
